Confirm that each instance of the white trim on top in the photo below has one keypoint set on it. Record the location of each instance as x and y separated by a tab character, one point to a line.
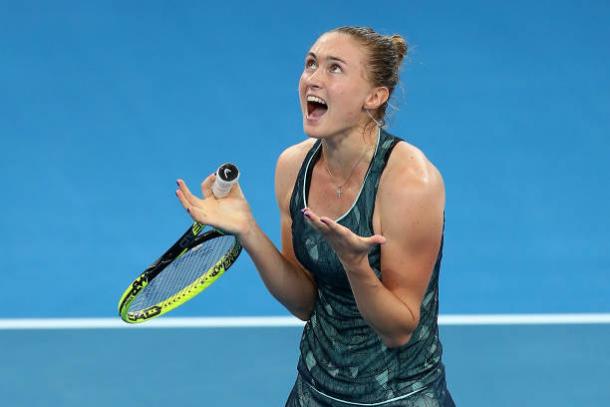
361	186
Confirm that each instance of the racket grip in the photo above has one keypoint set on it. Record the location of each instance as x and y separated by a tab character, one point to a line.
226	176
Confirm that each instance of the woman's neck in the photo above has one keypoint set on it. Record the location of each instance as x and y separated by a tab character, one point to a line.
343	152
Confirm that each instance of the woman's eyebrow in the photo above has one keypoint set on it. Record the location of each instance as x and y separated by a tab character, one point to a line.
330	57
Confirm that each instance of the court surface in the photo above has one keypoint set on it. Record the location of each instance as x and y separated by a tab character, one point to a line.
487	365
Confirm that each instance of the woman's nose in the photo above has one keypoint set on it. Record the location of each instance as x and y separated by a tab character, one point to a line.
314	79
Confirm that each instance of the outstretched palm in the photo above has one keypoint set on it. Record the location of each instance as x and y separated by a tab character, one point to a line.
351	249
231	214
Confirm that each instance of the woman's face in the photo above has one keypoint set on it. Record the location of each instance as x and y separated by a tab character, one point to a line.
333	88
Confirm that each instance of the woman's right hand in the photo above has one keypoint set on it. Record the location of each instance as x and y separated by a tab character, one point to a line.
231	214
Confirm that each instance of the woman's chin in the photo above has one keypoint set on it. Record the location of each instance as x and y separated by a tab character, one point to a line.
312	128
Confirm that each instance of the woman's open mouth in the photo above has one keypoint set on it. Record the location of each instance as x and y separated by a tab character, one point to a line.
316	107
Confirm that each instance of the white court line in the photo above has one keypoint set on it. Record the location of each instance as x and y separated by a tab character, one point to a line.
524	319
114	323
261	322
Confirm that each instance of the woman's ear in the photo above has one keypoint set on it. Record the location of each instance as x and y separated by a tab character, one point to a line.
376	98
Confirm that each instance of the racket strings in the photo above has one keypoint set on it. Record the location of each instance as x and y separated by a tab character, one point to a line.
182	272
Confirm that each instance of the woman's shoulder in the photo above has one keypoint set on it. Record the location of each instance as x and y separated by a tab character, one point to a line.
288	165
296	152
409	167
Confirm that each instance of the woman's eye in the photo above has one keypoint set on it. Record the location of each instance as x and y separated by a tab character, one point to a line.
335	68
310	64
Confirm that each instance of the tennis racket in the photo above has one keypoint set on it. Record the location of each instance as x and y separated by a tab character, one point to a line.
187	268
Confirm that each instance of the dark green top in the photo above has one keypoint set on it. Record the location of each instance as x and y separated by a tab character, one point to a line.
341	355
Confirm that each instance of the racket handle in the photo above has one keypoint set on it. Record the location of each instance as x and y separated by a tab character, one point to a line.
226	175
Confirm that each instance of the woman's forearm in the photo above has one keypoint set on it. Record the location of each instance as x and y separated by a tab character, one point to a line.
393	321
290	285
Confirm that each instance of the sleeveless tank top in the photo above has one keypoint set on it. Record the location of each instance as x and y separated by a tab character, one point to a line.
341	356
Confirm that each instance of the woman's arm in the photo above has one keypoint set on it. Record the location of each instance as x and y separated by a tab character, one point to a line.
282	274
286	281
284	278
410	204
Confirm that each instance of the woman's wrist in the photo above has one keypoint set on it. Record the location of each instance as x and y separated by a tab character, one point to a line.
358	266
248	233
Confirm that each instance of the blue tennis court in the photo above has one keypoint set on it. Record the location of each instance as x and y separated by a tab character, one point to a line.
104	106
507	365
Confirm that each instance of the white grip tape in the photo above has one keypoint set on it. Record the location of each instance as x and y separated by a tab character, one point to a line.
226	176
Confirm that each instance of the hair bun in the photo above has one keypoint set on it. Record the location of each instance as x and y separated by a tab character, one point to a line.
400	45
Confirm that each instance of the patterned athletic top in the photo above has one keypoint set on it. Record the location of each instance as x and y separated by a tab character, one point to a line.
341	356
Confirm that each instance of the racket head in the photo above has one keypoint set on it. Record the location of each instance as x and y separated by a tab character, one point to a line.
190	266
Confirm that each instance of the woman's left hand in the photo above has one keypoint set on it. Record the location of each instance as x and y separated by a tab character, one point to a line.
351	249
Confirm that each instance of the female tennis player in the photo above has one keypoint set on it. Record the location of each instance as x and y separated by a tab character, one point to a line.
362	219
